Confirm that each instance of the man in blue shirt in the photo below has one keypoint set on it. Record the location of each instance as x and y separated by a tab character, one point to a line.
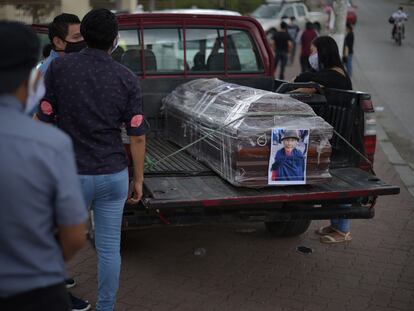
42	212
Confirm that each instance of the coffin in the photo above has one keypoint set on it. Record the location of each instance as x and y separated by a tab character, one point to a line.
228	127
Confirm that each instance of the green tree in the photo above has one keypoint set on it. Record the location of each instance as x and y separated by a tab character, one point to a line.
242	6
37	10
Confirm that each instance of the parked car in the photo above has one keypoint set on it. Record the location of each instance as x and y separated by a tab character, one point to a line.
167	50
271	14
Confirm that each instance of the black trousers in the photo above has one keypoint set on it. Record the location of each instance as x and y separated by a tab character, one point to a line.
51	298
304	63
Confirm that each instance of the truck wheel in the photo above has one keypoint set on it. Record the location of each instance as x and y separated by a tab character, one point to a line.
288	228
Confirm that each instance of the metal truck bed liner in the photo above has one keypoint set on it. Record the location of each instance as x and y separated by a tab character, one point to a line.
180	164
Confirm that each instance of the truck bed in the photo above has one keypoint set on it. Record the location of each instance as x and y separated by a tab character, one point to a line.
178	165
183	182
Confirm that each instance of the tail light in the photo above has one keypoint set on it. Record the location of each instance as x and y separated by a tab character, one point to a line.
370	132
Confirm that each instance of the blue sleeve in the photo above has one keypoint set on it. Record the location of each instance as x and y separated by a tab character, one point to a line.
70	207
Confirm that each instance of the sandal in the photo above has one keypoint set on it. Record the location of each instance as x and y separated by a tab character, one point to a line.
325	230
336	237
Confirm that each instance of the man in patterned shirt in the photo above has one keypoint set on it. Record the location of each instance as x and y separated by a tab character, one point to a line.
89	95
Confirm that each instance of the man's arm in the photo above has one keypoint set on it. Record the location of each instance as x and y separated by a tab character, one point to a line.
47	106
137	146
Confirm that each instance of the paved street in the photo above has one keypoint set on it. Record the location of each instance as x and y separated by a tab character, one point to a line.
245	269
249	270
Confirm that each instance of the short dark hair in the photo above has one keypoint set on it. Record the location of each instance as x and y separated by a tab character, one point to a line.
46	50
283	25
60	26
328	52
99	28
309	25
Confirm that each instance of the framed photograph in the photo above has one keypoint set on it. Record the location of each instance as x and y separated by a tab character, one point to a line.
288	156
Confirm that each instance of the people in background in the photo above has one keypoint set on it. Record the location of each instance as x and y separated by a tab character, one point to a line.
293	30
348	49
308	35
282	46
399	17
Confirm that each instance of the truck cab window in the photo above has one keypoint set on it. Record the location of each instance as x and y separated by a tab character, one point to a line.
128	51
205	50
162	52
242	53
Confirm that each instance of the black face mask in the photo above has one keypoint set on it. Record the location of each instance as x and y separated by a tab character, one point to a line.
74	47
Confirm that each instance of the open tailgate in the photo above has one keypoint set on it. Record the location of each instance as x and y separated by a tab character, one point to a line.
211	191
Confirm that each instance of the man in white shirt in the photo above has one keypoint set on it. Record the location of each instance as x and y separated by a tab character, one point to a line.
399	17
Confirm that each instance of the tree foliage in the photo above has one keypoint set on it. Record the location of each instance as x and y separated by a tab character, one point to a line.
37	11
242	6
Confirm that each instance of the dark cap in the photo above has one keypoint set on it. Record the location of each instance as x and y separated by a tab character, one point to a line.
18	55
290	134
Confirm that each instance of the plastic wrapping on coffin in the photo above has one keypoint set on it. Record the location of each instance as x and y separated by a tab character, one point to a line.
236	122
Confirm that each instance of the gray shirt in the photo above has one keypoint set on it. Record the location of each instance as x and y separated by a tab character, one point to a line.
39	190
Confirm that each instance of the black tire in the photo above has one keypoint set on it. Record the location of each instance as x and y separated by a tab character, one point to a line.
288	228
399	39
317	27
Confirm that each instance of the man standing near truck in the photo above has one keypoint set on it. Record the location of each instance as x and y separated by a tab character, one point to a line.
89	96
65	37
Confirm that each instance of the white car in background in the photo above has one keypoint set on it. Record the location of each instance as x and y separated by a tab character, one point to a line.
273	12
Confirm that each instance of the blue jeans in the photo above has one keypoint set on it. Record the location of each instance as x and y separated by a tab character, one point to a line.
349	65
106	194
342	224
282	58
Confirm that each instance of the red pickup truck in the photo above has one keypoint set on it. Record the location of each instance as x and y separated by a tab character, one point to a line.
166	50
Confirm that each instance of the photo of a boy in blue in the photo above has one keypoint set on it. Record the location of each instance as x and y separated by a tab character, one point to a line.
289	162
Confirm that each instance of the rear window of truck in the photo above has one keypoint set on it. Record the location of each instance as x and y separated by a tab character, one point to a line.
174	50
